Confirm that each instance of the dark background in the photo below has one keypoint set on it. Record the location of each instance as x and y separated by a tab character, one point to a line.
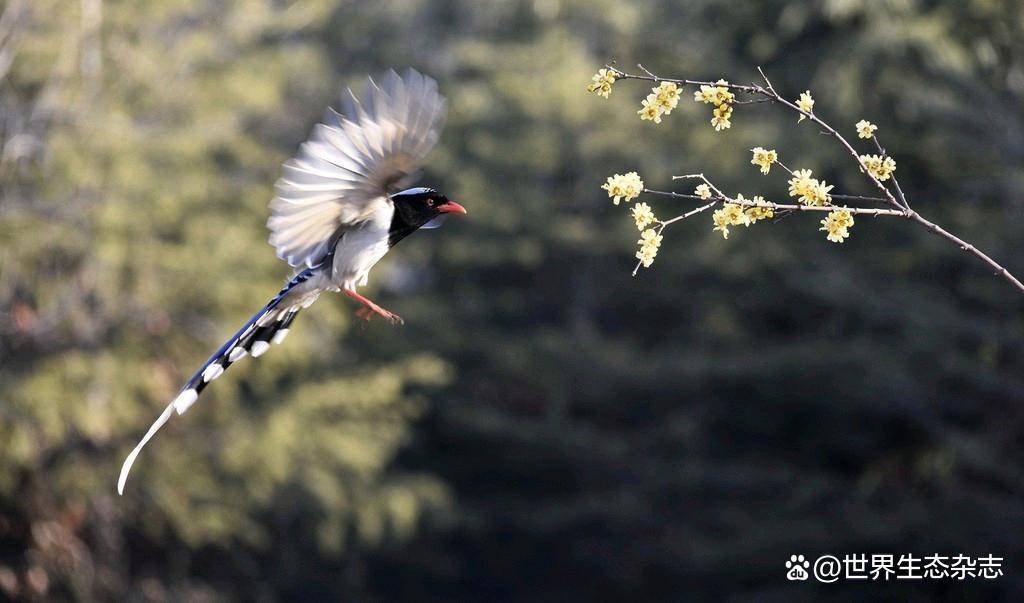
545	426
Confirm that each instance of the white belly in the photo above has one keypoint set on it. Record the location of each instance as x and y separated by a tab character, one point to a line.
360	248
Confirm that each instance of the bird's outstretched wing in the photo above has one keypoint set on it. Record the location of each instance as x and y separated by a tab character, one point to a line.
350	159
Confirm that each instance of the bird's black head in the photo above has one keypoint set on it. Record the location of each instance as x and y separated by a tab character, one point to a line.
415	207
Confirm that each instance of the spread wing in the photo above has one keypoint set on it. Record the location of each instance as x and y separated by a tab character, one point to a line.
375	148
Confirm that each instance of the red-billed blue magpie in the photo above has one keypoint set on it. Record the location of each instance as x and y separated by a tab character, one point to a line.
339	207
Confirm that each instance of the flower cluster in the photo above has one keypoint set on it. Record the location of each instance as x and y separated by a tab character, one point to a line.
703	191
714	94
649	243
643	215
806	104
741	213
662	99
624	187
878	166
810	191
866	129
761	210
730	214
837	224
764	158
720	117
602	82
719	96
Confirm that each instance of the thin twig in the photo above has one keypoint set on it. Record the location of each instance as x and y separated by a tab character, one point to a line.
868	211
692	212
622	75
857	197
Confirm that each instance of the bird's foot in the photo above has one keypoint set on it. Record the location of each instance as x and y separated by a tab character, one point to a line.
370	308
368	312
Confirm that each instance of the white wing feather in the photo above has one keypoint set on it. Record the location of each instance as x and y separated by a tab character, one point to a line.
375	148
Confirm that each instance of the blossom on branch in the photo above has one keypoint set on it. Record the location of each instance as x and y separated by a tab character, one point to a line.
624	187
800	183
602	82
650	111
649	243
703	191
722	113
714	95
761	211
866	129
810	191
667	96
878	166
643	215
731	214
662	99
837	223
719	96
806	104
764	158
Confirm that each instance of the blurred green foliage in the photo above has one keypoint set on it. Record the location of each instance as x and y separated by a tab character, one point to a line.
545	425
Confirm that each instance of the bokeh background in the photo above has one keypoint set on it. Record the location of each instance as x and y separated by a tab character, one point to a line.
545	426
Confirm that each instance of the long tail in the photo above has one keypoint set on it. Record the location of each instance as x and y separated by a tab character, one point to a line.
269	325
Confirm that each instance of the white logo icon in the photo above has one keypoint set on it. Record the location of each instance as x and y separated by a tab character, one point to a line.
797	567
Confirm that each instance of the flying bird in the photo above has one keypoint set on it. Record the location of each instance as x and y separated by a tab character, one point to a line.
341	204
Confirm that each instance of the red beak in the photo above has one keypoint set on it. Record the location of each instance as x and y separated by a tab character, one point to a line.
451	207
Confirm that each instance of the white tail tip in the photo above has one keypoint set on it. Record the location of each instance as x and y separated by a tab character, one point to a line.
259	348
164	416
212	372
279	336
236	354
185	400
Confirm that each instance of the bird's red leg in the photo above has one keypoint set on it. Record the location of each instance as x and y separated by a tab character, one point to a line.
370	308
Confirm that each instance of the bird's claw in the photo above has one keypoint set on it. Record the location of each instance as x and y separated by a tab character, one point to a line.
367	313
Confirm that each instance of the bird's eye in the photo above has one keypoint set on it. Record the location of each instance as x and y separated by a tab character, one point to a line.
430	202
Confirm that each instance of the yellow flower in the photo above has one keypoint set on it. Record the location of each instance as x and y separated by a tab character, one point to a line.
650	111
722	113
878	166
703	191
811	191
806	104
817	194
760	211
731	214
764	158
627	186
837	224
715	95
649	238
602	82
643	215
667	96
721	222
719	96
646	257
866	129
800	183
649	243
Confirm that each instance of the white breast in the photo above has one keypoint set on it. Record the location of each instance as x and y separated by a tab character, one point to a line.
362	246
